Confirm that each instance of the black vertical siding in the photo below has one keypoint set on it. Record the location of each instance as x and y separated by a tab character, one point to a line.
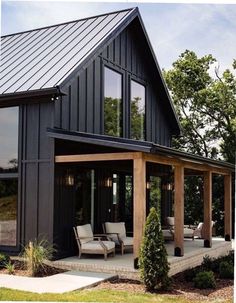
82	108
37	172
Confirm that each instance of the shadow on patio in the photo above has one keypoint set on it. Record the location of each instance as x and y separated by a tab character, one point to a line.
123	265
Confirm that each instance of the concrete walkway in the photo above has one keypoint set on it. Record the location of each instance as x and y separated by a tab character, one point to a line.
60	283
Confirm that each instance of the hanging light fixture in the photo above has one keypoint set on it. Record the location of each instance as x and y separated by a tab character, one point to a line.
69	179
108	182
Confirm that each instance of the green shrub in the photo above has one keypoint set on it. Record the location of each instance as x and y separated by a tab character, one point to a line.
213	264
35	253
210	264
4	258
153	261
10	268
190	274
204	279
226	270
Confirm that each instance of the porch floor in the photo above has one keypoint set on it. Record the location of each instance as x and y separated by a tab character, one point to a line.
123	265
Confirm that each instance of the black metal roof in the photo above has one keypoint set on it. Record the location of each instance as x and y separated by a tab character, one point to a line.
133	145
42	58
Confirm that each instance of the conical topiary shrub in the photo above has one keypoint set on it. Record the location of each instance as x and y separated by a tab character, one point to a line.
153	261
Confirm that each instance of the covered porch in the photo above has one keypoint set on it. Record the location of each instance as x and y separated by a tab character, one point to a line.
123	265
94	149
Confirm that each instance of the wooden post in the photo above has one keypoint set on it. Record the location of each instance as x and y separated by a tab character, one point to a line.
228	206
179	210
139	209
207	196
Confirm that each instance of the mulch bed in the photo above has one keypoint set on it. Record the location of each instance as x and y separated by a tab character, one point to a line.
223	290
20	270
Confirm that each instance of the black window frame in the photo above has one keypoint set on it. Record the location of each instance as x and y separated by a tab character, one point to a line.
144	84
15	176
123	113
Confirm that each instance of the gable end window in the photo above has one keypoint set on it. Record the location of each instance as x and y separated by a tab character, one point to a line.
137	111
112	103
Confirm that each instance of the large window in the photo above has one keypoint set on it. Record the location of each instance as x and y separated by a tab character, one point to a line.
137	109
112	103
8	174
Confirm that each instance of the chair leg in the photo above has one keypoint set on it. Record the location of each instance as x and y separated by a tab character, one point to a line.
122	249
105	256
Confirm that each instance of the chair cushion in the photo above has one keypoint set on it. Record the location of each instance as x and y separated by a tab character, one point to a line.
170	221
188	232
85	233
117	227
200	226
94	245
128	241
167	234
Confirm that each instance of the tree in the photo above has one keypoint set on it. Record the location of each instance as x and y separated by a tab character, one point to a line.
153	261
205	105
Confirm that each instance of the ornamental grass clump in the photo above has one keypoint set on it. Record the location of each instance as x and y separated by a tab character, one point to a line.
153	261
35	254
4	259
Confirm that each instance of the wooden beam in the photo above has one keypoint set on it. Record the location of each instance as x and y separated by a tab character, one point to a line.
179	210
228	207
187	164
97	157
161	159
207	196
139	204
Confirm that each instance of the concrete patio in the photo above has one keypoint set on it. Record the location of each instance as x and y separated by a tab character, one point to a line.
123	265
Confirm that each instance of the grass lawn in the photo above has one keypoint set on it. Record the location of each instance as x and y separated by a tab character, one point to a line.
93	296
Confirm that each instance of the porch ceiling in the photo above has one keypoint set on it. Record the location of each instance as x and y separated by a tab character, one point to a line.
151	152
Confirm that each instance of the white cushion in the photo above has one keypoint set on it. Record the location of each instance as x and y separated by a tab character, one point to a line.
94	245
167	234
188	232
128	241
170	221
85	233
117	227
200	226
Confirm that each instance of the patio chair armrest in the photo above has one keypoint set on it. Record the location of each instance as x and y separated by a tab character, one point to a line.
103	236
97	238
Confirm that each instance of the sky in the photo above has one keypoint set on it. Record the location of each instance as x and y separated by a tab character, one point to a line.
171	27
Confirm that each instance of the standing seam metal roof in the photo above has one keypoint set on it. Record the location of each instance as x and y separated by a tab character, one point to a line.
43	58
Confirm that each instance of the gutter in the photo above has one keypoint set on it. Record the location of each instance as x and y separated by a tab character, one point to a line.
30	96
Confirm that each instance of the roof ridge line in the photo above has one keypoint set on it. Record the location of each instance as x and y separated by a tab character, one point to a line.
58	24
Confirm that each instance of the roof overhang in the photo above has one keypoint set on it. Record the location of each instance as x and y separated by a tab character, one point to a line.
33	96
153	152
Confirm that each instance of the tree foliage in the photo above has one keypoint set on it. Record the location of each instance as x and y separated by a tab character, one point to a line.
153	256
206	106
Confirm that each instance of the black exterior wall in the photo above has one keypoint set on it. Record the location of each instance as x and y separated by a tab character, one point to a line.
37	173
81	109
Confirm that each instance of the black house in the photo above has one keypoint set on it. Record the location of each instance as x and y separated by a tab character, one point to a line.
86	118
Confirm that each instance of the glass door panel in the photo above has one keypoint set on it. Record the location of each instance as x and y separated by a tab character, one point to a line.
85	193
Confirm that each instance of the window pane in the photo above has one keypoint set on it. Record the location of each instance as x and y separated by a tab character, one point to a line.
112	103
8	139
8	211
137	111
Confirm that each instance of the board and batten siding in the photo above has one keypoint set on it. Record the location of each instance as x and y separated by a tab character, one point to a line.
81	109
37	172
